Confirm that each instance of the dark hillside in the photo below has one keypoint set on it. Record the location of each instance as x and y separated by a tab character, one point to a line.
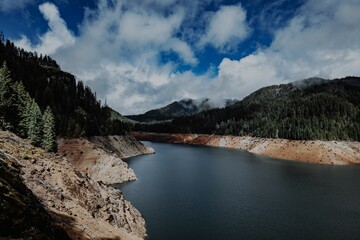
182	108
75	106
309	109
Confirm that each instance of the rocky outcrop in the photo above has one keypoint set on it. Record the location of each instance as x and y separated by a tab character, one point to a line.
101	157
124	146
321	152
21	214
81	206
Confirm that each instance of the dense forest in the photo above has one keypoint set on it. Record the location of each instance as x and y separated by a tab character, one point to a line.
311	109
182	108
74	106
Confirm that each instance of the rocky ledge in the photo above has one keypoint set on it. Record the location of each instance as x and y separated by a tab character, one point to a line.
64	197
101	157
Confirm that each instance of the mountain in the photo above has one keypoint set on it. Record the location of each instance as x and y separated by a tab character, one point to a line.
184	107
308	109
29	76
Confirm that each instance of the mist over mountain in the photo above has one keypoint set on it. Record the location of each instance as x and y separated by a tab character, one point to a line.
312	108
309	82
184	107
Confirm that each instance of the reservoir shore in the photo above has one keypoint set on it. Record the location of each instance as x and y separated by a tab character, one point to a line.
311	151
72	188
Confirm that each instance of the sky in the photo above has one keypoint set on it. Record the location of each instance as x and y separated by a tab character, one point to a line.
143	54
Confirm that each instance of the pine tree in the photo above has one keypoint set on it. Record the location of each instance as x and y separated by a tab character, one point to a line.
7	100
23	104
49	135
35	124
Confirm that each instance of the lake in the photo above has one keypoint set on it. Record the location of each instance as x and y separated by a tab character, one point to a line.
193	192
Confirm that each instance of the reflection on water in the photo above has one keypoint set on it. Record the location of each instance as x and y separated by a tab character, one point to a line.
191	192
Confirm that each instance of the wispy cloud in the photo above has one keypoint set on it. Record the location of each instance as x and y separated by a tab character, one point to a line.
322	40
10	5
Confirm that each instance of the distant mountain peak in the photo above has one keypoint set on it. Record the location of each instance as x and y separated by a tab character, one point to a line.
183	107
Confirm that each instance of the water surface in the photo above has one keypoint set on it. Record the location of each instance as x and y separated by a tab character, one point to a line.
193	192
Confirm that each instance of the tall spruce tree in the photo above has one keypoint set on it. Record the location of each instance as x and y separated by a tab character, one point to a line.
23	105
35	124
49	135
7	100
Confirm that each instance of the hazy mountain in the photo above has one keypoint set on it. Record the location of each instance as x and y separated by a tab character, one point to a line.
309	82
312	108
184	107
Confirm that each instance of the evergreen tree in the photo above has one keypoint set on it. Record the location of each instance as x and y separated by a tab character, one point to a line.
49	135
23	104
7	100
35	124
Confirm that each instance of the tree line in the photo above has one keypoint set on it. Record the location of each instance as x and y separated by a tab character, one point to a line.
22	115
75	107
327	111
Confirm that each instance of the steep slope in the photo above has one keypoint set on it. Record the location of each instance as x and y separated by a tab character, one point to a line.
82	207
77	110
184	107
101	157
305	110
21	213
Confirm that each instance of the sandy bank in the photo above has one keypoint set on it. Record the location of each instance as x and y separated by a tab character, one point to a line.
82	206
321	152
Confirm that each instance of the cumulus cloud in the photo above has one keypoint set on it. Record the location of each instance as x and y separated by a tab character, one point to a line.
118	48
227	28
10	5
117	53
322	40
57	37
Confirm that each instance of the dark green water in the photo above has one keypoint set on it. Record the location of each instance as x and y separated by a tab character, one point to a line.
188	192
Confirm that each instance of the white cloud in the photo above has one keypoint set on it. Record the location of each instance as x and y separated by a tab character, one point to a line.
322	40
117	53
57	37
139	29
227	28
183	50
117	50
239	78
10	5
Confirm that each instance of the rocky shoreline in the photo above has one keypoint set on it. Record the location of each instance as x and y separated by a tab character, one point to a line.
73	192
101	157
319	152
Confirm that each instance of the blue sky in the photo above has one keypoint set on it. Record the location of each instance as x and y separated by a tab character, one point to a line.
144	54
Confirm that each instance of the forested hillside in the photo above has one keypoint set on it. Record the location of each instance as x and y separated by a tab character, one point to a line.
308	109
182	108
75	108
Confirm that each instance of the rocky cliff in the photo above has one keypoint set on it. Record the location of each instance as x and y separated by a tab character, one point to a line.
321	152
101	157
21	214
80	206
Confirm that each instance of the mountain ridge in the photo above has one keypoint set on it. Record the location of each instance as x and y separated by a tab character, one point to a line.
326	110
183	107
77	111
